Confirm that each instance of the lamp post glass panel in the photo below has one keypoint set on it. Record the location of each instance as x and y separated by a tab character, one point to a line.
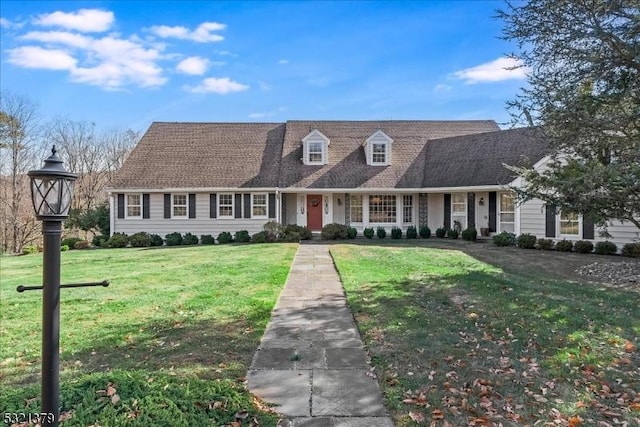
51	194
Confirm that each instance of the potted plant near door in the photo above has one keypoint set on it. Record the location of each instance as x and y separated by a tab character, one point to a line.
484	231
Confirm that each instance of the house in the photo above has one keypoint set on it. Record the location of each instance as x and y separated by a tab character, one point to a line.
205	178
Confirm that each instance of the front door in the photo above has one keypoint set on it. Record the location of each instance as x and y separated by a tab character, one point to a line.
314	212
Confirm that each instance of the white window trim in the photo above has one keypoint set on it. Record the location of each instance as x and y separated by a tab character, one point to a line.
173	205
266	205
398	204
413	213
559	233
233	207
126	206
463	224
500	212
315	136
323	153
362	197
386	153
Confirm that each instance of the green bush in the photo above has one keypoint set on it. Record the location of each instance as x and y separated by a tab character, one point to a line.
470	234
31	249
564	246
441	232
452	234
263	237
504	239
118	240
303	232
425	232
412	232
396	233
526	241
207	239
381	232
156	240
64	248
335	231
631	250
606	248
189	239
352	233
368	233
99	240
70	241
225	237
140	240
82	244
583	247
242	236
545	244
173	239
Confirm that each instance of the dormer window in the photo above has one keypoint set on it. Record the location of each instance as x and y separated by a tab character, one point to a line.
378	149
314	148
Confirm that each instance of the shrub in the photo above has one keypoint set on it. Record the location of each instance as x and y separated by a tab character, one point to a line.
70	241
545	244
368	233
207	239
564	246
396	233
189	239
140	240
381	232
82	244
225	237
32	249
242	236
173	239
425	232
64	248
606	248
303	232
263	237
526	241
156	240
273	230
335	231
412	233
583	246
631	250
441	232
118	240
504	239
470	234
352	233
452	234
99	240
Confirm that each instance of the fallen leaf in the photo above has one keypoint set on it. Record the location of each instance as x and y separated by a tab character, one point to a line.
629	347
575	421
418	417
241	415
437	414
115	399
110	391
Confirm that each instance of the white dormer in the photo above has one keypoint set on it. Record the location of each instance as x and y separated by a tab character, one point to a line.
377	149
315	147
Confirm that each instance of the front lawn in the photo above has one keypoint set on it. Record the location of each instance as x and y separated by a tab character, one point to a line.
457	341
172	336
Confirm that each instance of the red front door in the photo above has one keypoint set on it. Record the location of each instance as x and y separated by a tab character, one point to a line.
314	212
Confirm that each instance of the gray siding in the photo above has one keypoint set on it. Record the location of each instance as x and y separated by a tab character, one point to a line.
338	209
435	207
532	218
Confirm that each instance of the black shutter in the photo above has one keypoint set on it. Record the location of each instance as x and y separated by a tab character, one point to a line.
192	205
120	206
247	205
237	205
145	206
167	205
550	221
272	205
471	210
447	210
213	209
587	228
493	207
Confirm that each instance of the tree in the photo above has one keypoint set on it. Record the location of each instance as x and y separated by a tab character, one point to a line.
583	61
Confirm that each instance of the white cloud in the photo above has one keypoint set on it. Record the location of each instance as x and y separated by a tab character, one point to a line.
221	86
272	113
441	88
37	57
494	71
283	61
202	34
5	23
84	20
194	65
59	37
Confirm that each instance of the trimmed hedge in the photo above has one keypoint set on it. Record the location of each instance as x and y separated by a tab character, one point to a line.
583	246
368	233
631	250
242	236
425	232
173	239
452	234
564	246
504	239
118	240
381	232
189	239
396	233
470	234
545	244
352	233
606	248
225	237
263	237
412	233
207	239
140	240
441	232
334	231
156	240
526	241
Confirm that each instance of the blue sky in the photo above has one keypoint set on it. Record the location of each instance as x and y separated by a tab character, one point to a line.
128	63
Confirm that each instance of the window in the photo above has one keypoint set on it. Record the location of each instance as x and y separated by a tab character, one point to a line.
459	211
314	148
225	206
379	153
134	206
356	208
315	152
569	223
407	209
382	208
259	205
507	212
179	206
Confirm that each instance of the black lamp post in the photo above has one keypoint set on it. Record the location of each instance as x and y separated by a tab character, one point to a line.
51	193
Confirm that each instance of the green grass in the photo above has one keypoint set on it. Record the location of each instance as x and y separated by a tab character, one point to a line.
453	337
174	322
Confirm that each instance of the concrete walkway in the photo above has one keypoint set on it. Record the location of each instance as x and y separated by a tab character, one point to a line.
311	361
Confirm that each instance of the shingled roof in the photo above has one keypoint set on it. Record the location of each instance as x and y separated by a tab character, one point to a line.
204	155
347	167
478	159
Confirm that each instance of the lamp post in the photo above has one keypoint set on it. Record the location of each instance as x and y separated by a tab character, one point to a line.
51	194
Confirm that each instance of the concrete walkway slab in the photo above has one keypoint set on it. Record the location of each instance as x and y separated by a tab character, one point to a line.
311	361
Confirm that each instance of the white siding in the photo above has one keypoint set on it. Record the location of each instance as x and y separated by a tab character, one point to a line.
532	218
482	212
291	208
338	208
620	233
435	209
